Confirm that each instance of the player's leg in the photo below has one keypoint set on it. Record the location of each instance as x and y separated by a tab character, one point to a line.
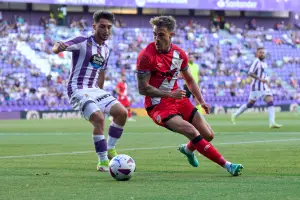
92	113
242	109
191	114
115	131
177	124
130	114
203	127
271	111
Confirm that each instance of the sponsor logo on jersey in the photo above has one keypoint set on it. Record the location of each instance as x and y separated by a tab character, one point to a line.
97	61
103	97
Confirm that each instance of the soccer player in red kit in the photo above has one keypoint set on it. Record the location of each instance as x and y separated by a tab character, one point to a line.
122	92
158	66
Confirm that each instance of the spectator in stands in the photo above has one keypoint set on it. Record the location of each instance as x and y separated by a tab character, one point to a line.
251	25
293	81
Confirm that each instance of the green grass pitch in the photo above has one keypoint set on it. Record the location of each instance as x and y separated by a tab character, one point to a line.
55	159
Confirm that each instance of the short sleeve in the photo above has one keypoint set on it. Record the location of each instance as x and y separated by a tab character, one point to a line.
143	63
253	66
74	43
184	65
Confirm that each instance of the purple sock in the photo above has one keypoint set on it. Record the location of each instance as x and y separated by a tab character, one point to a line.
114	133
100	147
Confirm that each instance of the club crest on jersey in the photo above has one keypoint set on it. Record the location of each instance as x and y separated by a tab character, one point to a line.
97	61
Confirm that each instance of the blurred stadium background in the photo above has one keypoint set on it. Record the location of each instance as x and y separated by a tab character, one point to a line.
222	34
54	159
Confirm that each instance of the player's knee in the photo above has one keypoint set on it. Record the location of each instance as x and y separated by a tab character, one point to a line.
250	104
124	114
210	136
270	103
121	117
97	119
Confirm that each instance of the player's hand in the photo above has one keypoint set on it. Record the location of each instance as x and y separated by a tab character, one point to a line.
206	107
263	80
178	94
61	46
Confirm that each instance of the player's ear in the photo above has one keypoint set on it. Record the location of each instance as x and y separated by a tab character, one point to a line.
172	34
94	27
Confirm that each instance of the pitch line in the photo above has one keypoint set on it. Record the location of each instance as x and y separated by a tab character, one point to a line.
149	148
150	133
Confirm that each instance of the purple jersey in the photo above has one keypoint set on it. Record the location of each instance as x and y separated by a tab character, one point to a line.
88	59
258	68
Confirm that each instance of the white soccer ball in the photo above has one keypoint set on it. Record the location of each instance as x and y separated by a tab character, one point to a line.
122	167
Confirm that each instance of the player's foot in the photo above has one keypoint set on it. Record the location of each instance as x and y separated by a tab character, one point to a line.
103	166
190	156
275	125
235	169
233	119
131	120
111	153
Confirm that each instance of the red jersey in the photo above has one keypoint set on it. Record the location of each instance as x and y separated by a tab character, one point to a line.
122	88
164	70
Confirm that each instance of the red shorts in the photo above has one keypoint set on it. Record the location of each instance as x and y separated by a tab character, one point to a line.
124	101
162	112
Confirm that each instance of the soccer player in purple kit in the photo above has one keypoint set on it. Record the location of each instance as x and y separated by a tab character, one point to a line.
259	88
85	87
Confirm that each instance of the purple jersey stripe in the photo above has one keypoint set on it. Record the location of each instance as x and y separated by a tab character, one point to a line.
92	77
75	41
94	72
261	75
84	65
75	58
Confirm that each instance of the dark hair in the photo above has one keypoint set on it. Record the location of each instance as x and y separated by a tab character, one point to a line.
259	48
103	14
168	22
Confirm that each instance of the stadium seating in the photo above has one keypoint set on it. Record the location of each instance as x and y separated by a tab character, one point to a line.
224	57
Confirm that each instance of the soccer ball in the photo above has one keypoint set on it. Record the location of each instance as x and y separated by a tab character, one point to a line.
122	167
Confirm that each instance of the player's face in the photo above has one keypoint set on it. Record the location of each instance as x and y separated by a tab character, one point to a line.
102	29
261	54
191	59
162	38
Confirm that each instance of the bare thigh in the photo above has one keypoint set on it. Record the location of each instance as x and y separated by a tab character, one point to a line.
203	127
179	125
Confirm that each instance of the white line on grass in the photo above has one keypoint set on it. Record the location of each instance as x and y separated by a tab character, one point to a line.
150	133
148	148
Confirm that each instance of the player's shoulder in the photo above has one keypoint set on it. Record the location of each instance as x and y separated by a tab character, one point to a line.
181	52
75	40
256	60
148	50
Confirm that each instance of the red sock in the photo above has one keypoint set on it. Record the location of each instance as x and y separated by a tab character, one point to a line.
208	150
191	146
129	113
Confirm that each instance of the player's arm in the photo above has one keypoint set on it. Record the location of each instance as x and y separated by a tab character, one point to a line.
253	75
143	78
252	71
117	89
194	88
101	79
146	89
59	47
68	45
